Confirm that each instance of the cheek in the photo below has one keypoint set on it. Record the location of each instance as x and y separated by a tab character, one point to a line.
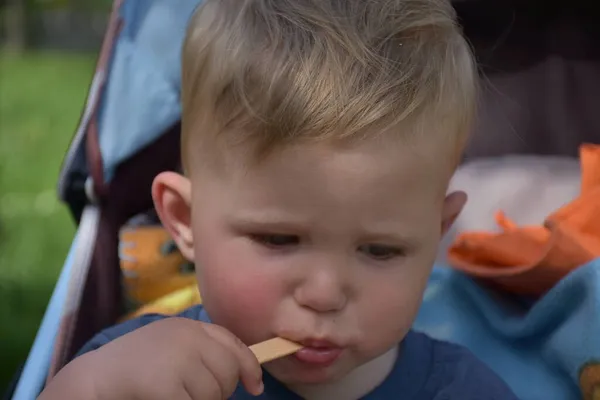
397	300
238	292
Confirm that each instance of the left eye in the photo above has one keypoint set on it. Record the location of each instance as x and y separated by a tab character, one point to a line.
380	251
276	240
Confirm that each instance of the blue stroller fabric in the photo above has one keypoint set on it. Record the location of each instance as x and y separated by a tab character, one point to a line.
548	350
141	99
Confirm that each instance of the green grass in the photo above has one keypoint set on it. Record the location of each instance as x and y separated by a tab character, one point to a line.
41	98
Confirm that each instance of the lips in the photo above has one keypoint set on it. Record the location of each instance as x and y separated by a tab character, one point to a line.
319	353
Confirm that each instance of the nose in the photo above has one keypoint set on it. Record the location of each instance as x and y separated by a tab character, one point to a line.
323	290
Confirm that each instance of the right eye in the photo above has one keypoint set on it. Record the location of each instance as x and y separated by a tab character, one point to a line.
381	252
276	240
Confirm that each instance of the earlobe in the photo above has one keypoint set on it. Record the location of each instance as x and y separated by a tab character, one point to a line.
453	205
171	193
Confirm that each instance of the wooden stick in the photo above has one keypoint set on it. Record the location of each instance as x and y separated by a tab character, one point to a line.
273	349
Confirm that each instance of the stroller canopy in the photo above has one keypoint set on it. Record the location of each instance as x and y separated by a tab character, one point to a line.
134	97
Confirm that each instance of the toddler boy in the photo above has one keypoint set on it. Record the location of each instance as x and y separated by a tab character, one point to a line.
318	139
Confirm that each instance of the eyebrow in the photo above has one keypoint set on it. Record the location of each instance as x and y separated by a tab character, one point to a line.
273	219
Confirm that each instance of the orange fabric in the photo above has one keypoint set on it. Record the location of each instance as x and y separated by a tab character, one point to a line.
532	259
148	275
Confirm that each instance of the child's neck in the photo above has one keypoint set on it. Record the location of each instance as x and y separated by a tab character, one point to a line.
356	384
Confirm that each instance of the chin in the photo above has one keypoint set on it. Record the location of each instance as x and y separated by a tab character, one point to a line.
291	372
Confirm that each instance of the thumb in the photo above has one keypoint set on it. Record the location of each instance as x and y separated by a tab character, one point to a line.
250	370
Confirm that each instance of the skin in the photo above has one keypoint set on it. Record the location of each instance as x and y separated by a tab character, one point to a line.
316	242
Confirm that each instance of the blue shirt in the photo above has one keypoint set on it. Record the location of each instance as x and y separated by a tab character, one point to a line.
426	369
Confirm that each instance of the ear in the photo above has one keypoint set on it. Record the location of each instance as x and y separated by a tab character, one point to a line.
171	193
453	205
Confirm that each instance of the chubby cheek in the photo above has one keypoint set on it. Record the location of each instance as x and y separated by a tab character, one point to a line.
237	291
397	303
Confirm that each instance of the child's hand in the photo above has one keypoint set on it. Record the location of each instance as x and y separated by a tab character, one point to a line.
170	359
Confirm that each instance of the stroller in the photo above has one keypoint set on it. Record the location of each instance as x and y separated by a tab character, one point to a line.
540	65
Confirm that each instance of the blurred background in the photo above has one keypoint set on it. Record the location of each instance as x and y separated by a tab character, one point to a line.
48	50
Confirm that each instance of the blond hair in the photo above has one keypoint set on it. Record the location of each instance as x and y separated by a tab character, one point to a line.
275	72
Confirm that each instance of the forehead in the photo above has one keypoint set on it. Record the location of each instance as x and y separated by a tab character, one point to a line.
321	178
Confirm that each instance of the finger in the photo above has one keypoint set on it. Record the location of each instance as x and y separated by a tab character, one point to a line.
250	370
183	394
218	376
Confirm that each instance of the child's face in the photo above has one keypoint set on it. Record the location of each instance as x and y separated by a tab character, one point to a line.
324	245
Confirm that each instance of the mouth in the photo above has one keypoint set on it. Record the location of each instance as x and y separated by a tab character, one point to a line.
318	353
